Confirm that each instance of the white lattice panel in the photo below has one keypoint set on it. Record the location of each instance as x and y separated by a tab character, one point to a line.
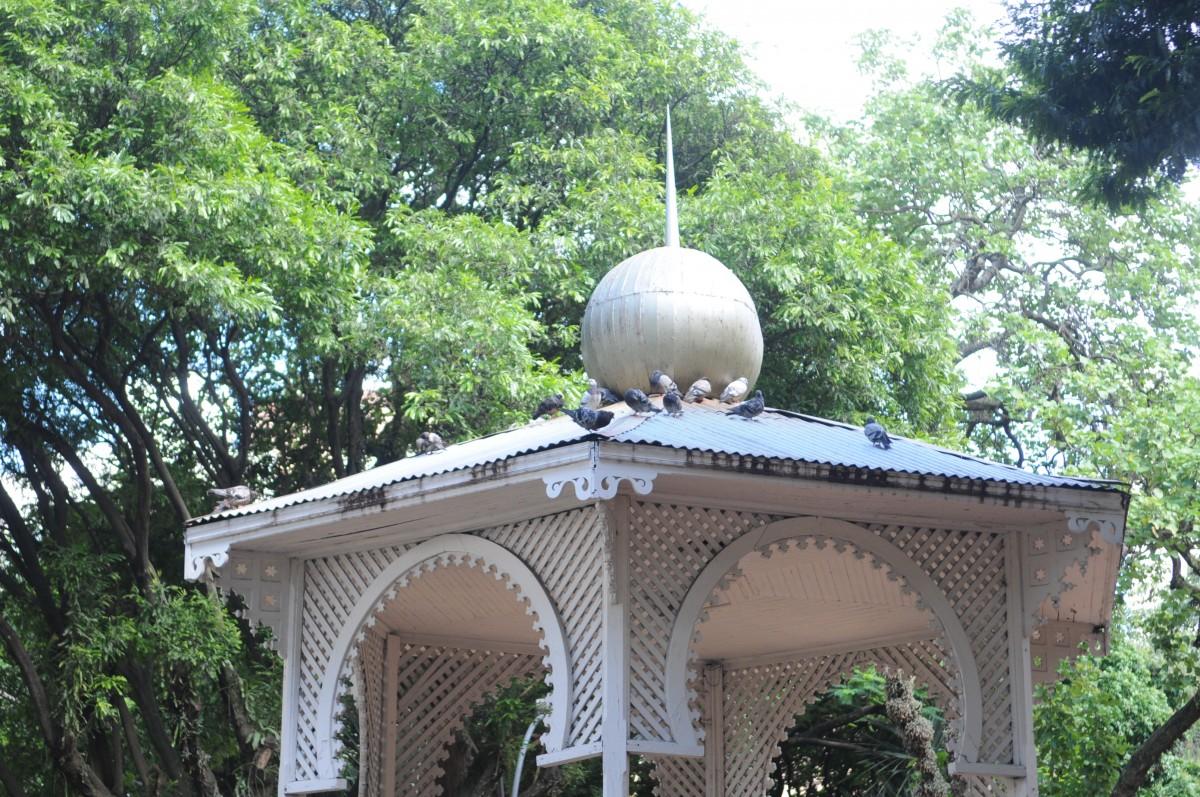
669	547
332	585
437	690
761	705
969	568
369	698
566	552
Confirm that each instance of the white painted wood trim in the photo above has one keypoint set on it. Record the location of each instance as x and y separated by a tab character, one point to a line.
1019	664
615	726
291	675
679	648
466	643
891	640
315	786
986	770
714	737
570	754
660	748
374	598
391	689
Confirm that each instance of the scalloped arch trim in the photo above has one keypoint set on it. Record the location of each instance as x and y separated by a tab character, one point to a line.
839	533
448	549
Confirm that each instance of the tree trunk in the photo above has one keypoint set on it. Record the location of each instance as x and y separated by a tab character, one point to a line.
1148	756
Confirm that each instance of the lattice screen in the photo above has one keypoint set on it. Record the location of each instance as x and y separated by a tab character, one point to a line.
669	547
332	585
969	569
567	554
369	699
437	690
761	704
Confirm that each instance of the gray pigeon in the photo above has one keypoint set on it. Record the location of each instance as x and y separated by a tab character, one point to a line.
549	406
232	497
749	409
734	391
589	418
661	382
700	389
673	403
877	434
609	397
430	442
639	402
593	399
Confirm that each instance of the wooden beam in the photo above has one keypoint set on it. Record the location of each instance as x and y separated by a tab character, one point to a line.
615	726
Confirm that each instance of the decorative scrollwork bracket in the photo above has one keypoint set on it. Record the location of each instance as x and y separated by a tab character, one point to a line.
599	481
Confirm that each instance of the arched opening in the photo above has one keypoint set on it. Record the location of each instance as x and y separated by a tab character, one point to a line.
445	625
780	615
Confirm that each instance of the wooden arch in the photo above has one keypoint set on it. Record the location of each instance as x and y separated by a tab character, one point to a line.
679	651
442	550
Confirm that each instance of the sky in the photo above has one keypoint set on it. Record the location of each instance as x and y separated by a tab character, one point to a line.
805	51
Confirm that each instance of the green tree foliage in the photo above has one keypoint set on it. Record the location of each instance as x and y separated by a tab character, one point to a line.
1117	78
1101	709
269	243
845	743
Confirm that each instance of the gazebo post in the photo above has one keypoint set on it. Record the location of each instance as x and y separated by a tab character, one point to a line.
615	745
714	731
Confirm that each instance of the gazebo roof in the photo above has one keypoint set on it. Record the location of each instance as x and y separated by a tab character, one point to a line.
777	436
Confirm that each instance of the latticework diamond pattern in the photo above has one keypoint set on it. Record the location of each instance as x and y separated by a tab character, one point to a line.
669	547
566	551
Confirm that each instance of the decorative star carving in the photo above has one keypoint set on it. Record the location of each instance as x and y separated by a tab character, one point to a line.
1038	543
270	600
240	567
1067	539
270	571
1040	574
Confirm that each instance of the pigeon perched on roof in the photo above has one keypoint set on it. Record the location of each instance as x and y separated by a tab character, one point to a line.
750	408
549	406
593	398
661	382
589	418
429	442
232	497
877	434
673	403
609	396
734	391
639	402
700	389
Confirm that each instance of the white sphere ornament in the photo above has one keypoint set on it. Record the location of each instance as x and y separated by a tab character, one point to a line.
674	309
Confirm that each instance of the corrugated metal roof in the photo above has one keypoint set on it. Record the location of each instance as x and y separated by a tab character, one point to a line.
782	435
776	434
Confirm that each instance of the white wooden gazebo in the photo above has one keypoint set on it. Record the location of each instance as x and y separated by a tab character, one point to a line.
685	584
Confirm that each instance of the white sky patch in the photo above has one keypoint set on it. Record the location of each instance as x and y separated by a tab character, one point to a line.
807	53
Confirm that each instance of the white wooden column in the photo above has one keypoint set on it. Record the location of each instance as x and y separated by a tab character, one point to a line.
615	728
391	690
294	614
714	731
1020	669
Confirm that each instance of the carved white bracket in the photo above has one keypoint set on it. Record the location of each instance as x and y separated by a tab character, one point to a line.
196	555
1110	527
599	480
259	579
1050	552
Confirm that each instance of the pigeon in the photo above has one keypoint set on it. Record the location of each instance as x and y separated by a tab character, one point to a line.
734	391
877	434
549	406
430	442
609	397
589	418
639	401
699	390
232	497
593	399
750	408
673	403
662	383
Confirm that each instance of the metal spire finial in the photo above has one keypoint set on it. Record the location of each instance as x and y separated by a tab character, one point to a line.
672	214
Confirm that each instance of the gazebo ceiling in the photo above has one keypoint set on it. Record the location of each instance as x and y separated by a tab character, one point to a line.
458	601
804	600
